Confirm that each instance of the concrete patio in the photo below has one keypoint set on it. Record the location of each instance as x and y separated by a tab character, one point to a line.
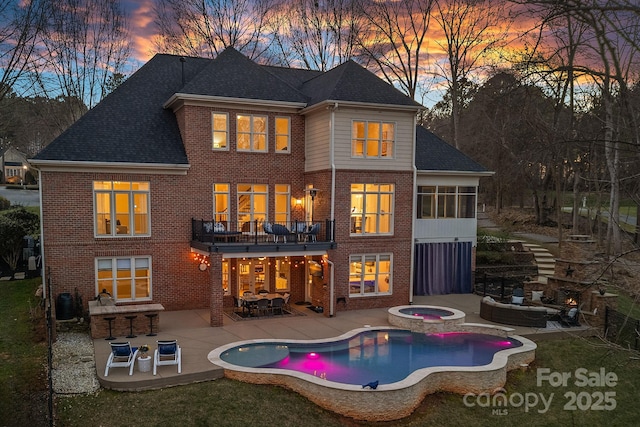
196	338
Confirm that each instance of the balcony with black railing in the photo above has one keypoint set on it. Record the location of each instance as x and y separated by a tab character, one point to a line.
258	235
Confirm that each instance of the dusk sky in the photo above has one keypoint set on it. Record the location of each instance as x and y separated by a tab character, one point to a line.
142	28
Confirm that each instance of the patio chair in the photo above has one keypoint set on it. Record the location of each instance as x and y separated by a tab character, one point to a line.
277	304
312	234
167	353
122	356
287	297
570	318
262	306
280	230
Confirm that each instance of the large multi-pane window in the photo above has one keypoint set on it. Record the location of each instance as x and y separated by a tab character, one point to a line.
121	208
446	201
251	133
371	139
283	204
220	131
372	208
370	274
125	278
252	206
221	203
283	134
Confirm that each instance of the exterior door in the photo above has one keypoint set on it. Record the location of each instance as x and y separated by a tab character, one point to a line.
252	275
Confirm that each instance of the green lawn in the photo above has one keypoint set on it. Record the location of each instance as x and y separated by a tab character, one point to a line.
230	403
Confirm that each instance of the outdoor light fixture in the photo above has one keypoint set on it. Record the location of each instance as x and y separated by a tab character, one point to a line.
202	260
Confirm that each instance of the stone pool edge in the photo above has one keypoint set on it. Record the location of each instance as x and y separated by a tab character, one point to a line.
389	401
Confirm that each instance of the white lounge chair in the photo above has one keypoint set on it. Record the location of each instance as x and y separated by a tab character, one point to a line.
122	356
167	353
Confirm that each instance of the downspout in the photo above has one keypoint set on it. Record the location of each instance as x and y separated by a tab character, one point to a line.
333	205
42	269
413	210
332	161
331	288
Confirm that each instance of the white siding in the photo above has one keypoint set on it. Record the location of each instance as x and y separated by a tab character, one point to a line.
316	144
403	150
445	230
448	229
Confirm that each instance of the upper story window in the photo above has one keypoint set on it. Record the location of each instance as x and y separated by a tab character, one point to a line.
251	133
373	140
220	131
370	274
252	206
283	135
121	208
221	203
446	201
125	278
282	204
372	208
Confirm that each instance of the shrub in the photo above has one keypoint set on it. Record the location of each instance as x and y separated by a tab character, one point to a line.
4	204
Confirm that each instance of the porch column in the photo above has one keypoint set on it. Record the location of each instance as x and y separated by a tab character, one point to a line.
216	292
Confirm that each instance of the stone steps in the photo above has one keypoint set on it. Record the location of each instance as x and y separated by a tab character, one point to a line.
544	259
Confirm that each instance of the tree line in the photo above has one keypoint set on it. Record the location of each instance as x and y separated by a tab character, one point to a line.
542	92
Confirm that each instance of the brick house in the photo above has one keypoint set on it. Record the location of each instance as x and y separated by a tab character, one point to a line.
197	180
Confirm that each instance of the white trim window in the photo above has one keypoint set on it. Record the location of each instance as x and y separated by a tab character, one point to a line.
221	203
372	139
220	131
370	275
283	204
252	206
446	202
372	209
283	134
251	133
125	278
121	208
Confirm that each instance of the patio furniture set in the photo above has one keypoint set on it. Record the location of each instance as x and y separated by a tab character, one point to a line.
123	355
261	304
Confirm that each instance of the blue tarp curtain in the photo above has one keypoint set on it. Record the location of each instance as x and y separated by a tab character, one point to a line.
442	268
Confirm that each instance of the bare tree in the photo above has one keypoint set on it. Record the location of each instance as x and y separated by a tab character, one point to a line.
472	29
393	40
316	34
84	43
207	27
20	23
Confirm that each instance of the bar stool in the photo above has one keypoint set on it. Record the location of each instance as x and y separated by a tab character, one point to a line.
151	316
110	319
130	326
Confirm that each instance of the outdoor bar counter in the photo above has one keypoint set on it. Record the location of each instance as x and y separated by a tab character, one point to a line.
146	320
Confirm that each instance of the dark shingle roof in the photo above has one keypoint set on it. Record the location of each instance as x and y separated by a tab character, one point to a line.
351	82
130	124
233	75
434	154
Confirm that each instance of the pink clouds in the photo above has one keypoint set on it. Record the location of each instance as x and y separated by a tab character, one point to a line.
143	29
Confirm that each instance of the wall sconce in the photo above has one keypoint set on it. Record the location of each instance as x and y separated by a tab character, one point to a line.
202	260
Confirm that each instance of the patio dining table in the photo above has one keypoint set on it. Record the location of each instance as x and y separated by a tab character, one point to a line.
251	301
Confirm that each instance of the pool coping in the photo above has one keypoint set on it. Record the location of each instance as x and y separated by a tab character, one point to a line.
389	401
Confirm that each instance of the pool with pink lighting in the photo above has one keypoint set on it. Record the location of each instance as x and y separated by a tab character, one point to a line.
405	366
382	356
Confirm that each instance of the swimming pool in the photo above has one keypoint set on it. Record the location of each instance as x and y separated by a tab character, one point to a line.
384	356
332	372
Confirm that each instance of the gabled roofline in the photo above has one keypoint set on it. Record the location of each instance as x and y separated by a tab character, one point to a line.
182	98
112	167
368	105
